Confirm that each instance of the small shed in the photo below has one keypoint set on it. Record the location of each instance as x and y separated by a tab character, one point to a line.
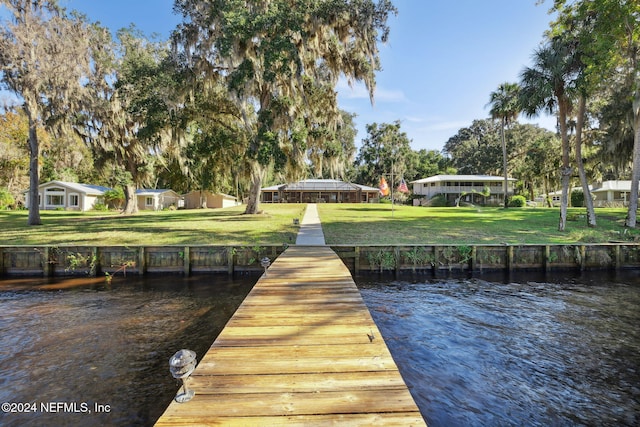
206	199
157	199
67	195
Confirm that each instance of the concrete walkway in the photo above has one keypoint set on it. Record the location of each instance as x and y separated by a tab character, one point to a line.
310	233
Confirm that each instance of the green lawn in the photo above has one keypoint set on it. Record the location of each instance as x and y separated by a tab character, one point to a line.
227	226
377	224
342	224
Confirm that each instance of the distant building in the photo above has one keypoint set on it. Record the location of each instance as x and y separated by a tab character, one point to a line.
67	195
605	194
612	193
469	187
207	199
319	191
157	199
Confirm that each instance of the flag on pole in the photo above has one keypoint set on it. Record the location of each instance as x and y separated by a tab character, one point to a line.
402	188
384	188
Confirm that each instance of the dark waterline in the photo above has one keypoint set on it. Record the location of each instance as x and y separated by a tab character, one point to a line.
80	342
524	350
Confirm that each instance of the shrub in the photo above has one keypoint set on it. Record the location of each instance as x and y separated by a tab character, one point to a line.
517	202
6	199
114	197
438	201
577	198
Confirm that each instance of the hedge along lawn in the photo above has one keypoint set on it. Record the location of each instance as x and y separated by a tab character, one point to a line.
362	224
228	226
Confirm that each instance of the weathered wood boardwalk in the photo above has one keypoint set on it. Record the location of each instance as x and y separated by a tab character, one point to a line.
298	352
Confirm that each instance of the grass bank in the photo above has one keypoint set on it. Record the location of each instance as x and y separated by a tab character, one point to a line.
227	226
351	224
377	224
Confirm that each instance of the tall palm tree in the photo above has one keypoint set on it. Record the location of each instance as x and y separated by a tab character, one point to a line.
505	105
547	86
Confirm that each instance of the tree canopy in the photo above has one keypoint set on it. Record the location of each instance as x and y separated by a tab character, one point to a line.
274	56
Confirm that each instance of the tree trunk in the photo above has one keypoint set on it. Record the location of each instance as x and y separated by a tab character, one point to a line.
565	170
635	174
547	199
34	173
591	214
131	201
504	165
257	175
564	198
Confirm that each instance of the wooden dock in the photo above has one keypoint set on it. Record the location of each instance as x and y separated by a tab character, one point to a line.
298	351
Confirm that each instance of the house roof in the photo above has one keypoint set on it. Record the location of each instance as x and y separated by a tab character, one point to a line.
223	195
469	178
75	186
319	185
152	191
613	186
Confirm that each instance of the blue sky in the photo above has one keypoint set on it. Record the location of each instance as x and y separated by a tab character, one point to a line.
442	61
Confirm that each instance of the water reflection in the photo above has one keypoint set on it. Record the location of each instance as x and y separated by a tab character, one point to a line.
81	342
523	351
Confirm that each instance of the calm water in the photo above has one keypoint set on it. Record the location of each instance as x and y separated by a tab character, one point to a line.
516	352
81	343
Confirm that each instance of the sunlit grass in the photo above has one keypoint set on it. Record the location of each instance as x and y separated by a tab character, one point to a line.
227	226
342	224
378	224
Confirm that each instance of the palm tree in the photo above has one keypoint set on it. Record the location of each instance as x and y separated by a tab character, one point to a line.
505	105
547	85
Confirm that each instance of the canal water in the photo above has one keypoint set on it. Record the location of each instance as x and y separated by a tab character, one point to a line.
524	350
515	351
80	352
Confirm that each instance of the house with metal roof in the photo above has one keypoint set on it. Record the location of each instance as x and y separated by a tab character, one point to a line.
470	188
612	193
319	191
67	195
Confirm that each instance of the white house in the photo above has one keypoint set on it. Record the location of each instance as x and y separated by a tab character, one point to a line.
469	187
157	199
611	193
604	194
67	195
207	199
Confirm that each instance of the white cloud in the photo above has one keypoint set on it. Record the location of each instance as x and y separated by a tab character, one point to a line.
359	91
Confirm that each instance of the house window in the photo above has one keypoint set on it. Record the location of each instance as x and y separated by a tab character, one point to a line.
148	201
55	200
54	197
74	200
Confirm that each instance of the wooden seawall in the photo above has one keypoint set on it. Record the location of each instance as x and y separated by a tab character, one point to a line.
302	349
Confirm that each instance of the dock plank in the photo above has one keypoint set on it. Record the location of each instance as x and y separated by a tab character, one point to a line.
298	351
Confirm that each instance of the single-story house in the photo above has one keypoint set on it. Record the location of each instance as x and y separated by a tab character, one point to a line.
67	195
612	193
157	199
319	191
604	194
469	187
207	199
